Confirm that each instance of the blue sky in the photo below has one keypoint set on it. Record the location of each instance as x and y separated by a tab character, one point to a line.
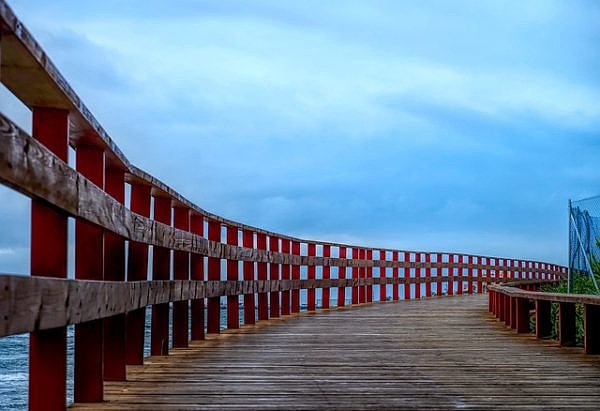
452	126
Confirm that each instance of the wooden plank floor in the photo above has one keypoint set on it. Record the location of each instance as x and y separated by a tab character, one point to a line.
443	353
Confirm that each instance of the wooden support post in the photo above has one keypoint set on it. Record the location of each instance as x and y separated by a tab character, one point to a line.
501	308
513	313
161	270
285	275
114	270
341	300
263	303
498	303
137	270
491	295
470	274
213	321
326	295
382	276
418	275
310	299
89	261
396	287
181	271
406	275
295	276
461	274
522	315
543	319
507	310
249	274
233	301
438	274
566	324
591	329
369	288
355	276
275	276
48	348
197	273
479	273
450	274
428	275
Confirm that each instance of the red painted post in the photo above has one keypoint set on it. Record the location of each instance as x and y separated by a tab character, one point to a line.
114	270
295	276
522	315
406	275
450	274
428	275
355	277
181	271
438	274
249	307
491	295
233	301
513	313
89	245
502	307
382	276
213	320
418	275
161	270
362	274
369	288
461	273
263	303
543	320
137	270
479	273
197	273
341	301
285	275
591	328
312	251
566	324
499	303
507	310
274	276
470	275
326	276
48	348
396	287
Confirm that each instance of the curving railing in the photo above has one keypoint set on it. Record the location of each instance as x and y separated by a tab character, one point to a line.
516	303
107	300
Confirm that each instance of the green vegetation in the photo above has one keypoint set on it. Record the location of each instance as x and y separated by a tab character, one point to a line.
581	285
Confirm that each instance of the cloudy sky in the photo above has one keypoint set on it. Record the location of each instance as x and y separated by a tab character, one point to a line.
462	126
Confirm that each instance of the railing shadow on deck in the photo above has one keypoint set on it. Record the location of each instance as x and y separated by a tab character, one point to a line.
107	300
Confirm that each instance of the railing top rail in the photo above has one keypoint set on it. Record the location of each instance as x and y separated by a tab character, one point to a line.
23	61
511	290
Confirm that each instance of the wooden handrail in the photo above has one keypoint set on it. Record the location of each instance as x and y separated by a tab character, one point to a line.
511	304
30	304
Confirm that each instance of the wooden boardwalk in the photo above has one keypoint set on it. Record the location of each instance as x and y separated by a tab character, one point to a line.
444	353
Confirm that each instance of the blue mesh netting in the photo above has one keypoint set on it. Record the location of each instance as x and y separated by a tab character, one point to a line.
584	237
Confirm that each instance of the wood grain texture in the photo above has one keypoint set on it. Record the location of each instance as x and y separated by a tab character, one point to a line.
444	353
511	291
37	303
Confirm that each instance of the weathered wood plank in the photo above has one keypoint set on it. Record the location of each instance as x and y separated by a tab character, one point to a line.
545	296
442	353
